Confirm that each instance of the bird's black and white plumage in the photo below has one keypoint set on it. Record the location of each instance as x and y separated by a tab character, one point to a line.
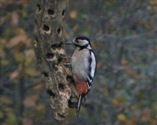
83	66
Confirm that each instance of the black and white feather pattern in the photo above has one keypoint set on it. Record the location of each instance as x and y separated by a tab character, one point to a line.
92	67
83	64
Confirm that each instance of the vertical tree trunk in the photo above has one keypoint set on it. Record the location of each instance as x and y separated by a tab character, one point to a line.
51	54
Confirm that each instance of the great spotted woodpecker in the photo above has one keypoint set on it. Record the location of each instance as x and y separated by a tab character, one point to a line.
83	67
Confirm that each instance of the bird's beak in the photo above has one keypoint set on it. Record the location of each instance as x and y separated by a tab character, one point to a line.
73	41
68	43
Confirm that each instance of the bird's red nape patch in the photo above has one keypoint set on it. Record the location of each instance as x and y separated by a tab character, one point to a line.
82	88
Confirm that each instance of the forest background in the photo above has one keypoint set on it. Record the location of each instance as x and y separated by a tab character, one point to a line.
124	38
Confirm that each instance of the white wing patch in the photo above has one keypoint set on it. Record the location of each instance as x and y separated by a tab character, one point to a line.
92	68
93	64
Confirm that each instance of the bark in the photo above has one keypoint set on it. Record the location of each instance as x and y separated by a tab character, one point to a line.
51	55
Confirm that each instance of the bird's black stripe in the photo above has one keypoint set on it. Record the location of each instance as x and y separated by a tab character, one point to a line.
82	47
90	68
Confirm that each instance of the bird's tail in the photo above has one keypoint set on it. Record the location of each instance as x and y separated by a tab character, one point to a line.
79	104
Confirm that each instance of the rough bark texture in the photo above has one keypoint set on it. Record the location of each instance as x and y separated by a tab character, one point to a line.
51	54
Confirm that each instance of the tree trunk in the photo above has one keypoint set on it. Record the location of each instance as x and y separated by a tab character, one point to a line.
51	55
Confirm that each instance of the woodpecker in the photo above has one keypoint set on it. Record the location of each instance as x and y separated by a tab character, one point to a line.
83	67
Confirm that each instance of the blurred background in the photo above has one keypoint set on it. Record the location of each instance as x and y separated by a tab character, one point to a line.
124	37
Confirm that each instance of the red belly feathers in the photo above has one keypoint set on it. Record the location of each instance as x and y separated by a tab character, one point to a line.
82	88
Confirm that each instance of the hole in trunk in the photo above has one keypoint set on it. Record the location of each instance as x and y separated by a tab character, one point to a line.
70	79
46	28
50	93
56	45
49	55
61	115
61	86
45	74
72	103
59	31
63	12
38	7
50	12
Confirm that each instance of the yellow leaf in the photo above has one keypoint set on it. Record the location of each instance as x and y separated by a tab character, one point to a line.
4	100
20	57
31	72
73	14
121	117
30	101
30	57
11	120
40	108
4	62
118	101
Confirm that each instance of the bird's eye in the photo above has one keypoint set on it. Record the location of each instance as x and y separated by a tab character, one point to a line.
77	41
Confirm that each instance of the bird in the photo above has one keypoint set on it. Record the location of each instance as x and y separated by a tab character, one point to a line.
83	63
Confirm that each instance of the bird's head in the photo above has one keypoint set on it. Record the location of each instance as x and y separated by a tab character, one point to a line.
82	42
